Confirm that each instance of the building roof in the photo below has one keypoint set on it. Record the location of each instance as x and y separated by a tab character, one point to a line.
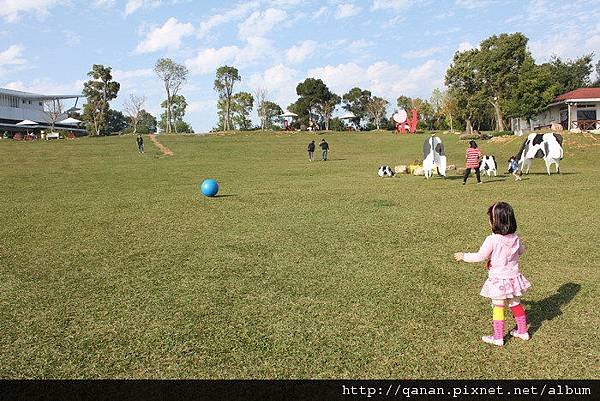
35	96
581	93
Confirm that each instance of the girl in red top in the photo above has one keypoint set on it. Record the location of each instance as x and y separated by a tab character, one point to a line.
473	156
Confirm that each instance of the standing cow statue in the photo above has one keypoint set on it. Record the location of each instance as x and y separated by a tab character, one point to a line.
542	146
488	165
434	156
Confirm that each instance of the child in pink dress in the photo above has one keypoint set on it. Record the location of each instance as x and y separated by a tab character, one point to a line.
505	283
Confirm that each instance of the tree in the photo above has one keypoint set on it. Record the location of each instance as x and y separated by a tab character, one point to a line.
173	76
226	78
270	111
597	82
133	107
241	106
146	123
404	102
376	110
99	90
311	92
116	122
356	101
447	106
53	109
426	113
497	67
260	94
465	87
176	111
326	107
571	74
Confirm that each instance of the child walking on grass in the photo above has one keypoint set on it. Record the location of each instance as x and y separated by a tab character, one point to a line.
505	283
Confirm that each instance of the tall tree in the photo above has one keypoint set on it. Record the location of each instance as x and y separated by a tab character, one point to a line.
498	64
116	122
311	92
571	74
175	112
404	102
99	90
260	95
226	78
356	101
133	107
463	83
53	109
376	110
147	123
241	107
326	107
173	76
271	113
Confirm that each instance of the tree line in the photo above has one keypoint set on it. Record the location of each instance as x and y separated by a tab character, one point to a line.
485	86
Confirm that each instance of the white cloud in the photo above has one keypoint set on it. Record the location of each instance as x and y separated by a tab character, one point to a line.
346	10
280	82
219	19
119	75
12	56
134	5
422	53
168	36
201	105
46	86
383	78
472	4
397	5
208	60
320	12
464	46
11	10
300	52
259	23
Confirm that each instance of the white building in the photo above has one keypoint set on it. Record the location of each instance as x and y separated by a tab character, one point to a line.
577	109
17	106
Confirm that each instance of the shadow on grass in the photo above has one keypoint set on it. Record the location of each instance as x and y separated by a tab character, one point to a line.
552	173
224	196
550	307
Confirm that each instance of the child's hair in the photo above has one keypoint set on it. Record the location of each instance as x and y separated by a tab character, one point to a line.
502	218
472	144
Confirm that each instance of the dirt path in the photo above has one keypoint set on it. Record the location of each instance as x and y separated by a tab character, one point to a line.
165	151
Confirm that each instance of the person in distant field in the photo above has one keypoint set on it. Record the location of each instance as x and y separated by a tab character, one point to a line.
473	156
324	149
140	143
311	151
513	167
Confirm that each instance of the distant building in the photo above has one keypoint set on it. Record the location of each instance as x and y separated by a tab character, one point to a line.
17	106
577	109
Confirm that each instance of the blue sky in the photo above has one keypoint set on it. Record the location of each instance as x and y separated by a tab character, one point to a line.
391	47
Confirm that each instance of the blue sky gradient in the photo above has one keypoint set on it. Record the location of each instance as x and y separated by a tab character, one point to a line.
391	47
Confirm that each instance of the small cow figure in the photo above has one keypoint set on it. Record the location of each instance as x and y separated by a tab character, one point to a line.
543	146
385	171
488	165
434	156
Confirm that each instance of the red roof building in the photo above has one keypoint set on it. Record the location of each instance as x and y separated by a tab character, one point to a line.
579	94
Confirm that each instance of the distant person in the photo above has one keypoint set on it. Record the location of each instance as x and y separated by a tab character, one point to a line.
311	150
324	149
473	156
513	167
140	143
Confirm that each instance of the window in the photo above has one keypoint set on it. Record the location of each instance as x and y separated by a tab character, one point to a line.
586	114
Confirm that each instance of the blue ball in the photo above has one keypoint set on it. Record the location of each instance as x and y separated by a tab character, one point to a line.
209	187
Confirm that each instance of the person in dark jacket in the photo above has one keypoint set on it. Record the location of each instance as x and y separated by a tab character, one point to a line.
324	149
311	151
140	143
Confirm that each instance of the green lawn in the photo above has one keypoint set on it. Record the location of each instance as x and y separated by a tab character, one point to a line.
112	265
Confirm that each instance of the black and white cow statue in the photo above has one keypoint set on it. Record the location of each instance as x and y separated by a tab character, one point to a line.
488	165
385	171
433	156
543	146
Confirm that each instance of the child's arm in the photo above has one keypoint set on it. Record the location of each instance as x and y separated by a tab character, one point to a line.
522	248
484	253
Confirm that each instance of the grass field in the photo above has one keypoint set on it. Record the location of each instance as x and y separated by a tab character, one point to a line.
112	265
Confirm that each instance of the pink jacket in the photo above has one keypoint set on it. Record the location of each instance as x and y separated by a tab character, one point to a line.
503	252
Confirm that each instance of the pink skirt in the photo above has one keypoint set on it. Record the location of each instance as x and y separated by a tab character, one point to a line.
504	288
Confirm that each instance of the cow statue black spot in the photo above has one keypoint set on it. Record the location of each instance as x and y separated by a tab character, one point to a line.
434	156
543	146
488	165
385	171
